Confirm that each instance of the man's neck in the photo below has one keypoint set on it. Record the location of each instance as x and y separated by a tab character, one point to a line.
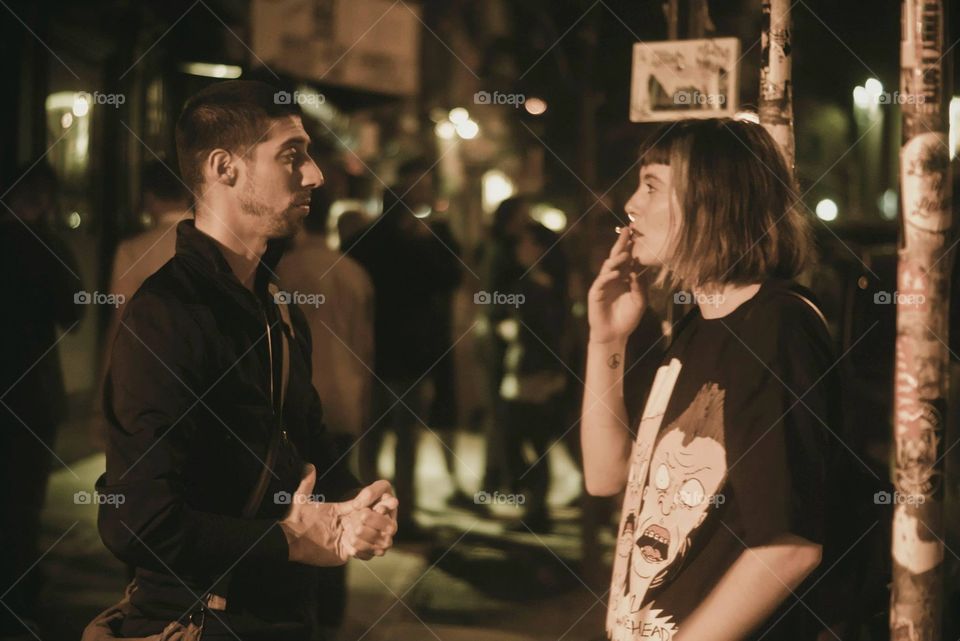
242	250
717	302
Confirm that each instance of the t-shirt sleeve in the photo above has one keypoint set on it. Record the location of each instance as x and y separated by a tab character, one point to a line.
778	416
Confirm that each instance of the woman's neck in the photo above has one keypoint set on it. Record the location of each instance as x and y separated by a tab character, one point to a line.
717	302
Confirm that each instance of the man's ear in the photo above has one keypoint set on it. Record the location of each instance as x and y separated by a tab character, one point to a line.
221	167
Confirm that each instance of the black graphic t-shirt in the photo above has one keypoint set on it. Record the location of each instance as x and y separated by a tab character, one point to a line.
730	453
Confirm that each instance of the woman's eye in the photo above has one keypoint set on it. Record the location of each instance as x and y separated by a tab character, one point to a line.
662	477
649	188
691	493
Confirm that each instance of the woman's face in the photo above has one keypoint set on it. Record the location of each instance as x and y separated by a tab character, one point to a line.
650	210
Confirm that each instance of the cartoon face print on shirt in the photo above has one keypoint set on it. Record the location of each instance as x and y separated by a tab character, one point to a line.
685	471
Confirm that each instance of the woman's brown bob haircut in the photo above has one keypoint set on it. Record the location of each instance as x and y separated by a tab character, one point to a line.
738	221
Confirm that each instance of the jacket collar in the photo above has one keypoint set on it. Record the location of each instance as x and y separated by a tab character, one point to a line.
203	251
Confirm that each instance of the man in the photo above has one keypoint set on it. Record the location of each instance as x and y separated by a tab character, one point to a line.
39	275
206	368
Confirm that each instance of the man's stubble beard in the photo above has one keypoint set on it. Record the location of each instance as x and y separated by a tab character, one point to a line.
278	225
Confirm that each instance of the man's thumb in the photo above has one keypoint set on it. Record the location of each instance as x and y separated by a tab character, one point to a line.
371	494
308	480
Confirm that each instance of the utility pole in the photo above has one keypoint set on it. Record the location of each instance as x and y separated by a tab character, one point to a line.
923	288
776	90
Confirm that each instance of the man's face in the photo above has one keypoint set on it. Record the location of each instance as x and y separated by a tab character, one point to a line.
650	209
682	481
277	179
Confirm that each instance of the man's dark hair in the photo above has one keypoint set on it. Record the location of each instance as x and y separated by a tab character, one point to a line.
234	115
162	181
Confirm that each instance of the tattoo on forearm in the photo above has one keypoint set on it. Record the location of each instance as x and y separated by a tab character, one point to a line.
614	361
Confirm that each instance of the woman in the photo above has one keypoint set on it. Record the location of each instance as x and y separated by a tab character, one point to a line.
724	475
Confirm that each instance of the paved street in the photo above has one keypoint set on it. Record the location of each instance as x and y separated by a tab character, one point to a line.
476	581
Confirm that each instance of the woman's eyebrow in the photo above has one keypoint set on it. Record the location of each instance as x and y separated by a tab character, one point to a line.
649	175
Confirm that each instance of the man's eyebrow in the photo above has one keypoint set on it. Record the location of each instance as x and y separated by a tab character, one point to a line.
295	140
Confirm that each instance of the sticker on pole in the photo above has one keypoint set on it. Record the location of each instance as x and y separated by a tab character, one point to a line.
677	79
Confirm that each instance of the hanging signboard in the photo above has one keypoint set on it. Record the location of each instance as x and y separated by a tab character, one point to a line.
677	79
370	45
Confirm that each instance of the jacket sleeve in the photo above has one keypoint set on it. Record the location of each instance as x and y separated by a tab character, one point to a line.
150	403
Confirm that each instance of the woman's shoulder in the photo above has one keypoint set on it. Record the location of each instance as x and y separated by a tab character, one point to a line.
785	318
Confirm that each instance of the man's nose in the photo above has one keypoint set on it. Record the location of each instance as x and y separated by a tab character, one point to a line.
312	176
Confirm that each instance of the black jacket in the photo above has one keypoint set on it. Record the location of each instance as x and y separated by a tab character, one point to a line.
187	398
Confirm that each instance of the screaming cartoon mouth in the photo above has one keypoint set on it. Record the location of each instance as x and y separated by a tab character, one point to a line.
654	544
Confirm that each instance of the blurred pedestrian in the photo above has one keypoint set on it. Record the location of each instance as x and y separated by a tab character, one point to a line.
534	378
40	278
336	297
411	270
498	270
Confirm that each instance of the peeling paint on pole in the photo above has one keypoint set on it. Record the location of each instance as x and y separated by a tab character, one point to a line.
776	91
922	356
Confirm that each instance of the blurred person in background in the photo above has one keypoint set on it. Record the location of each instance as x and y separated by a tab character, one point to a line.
166	201
411	270
336	297
498	270
350	225
40	278
530	408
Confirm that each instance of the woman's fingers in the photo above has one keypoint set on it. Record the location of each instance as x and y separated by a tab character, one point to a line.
623	240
